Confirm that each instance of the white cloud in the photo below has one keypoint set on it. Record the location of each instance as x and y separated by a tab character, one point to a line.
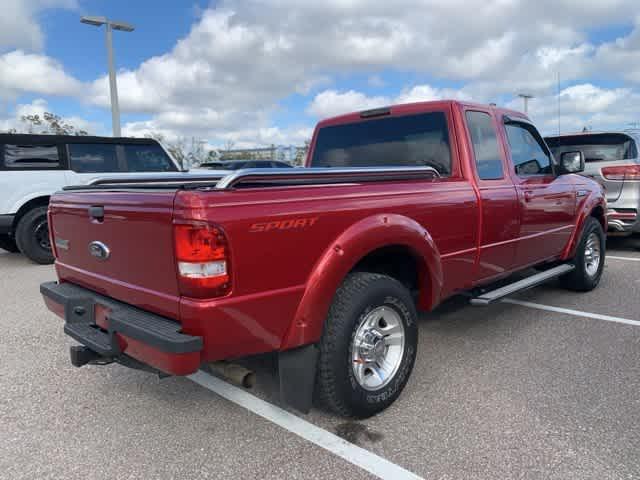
241	58
584	105
18	23
332	102
22	72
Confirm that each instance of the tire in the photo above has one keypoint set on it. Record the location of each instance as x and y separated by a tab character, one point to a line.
586	277
32	236
8	243
360	300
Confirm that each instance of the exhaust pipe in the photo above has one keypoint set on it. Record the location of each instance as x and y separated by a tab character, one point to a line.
234	373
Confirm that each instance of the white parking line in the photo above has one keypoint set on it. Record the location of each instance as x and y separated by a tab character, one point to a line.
360	457
633	259
576	313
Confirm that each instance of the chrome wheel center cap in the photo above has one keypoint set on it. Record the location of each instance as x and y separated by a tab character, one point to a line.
371	347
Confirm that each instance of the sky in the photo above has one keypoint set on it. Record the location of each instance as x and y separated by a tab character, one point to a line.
261	72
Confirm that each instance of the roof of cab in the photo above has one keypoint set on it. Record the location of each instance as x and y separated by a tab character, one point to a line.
43	138
415	108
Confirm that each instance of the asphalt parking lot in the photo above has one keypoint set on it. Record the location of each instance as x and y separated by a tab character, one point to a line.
506	391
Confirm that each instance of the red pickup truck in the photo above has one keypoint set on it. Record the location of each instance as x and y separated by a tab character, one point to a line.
327	266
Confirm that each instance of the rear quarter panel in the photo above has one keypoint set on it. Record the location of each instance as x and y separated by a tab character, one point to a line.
276	243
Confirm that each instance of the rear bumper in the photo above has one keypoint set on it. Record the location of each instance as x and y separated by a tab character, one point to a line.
623	220
624	213
115	330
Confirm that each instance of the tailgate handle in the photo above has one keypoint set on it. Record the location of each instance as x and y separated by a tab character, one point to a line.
97	213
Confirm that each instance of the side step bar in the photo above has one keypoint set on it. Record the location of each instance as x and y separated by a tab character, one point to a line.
529	282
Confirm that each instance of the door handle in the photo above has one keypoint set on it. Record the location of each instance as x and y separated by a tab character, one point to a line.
528	195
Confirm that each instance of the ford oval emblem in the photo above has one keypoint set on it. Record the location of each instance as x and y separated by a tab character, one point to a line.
99	250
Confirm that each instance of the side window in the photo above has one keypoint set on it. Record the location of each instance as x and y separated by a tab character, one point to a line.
93	158
528	155
485	145
147	158
31	156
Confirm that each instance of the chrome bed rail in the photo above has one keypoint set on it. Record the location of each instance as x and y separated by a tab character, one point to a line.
262	177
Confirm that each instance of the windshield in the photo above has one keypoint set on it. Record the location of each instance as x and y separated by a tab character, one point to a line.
605	147
411	140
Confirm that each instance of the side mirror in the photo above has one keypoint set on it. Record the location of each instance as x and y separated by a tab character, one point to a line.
571	162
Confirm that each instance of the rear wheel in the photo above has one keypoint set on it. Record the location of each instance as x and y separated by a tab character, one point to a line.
8	243
368	346
589	259
32	236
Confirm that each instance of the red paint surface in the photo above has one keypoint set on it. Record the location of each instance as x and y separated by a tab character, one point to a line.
461	231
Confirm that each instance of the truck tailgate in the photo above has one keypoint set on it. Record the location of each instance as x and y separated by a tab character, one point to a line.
119	244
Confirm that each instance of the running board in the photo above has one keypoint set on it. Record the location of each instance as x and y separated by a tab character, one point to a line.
529	282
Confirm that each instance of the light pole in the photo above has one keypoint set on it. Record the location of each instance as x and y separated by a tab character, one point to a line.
113	87
525	97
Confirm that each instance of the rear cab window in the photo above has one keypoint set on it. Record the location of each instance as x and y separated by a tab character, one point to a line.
596	147
415	140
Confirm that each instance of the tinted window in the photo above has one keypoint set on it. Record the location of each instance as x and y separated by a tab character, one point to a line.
596	147
147	158
31	156
413	140
485	145
528	155
93	158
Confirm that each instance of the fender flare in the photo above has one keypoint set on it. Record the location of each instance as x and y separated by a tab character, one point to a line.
343	254
592	202
21	202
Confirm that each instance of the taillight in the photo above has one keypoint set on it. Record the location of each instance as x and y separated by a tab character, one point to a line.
202	254
52	236
622	172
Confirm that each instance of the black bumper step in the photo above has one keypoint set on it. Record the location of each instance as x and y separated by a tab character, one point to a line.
149	328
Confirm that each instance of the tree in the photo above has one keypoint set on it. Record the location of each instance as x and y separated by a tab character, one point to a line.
187	152
49	123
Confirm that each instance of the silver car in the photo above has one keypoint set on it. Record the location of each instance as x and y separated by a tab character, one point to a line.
612	159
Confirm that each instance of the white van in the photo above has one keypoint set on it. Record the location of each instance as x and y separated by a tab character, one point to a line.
32	167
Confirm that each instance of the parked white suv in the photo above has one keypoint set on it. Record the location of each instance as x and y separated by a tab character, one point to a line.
32	167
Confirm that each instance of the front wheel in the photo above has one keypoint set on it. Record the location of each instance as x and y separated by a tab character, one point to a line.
589	259
32	236
368	346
